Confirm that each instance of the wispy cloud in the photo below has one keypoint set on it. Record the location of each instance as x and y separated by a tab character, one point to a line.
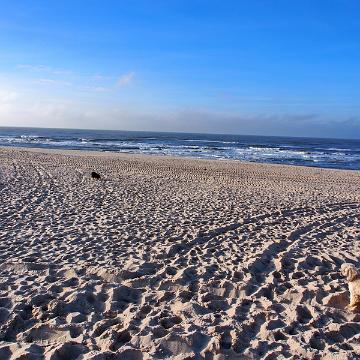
99	89
100	83
8	99
8	96
99	77
44	69
110	84
25	111
125	79
47	81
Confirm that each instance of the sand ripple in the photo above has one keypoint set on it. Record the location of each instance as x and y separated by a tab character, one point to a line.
174	259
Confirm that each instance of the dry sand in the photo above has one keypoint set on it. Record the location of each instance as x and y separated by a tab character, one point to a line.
174	258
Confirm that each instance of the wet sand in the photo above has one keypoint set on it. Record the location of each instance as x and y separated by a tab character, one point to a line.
168	258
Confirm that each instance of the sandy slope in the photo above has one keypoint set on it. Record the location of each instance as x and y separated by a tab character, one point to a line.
174	258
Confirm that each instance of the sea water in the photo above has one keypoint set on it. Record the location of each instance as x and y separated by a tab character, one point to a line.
316	152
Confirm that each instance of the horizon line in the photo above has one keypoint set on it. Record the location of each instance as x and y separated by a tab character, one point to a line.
179	132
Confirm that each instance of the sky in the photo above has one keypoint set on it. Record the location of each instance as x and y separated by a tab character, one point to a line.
263	67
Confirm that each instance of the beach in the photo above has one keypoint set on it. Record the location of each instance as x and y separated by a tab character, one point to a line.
174	258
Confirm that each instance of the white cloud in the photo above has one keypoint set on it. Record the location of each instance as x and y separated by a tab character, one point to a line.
8	96
75	114
100	89
52	82
44	68
99	77
125	79
8	104
46	81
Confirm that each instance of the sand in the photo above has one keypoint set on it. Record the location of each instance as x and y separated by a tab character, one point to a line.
169	258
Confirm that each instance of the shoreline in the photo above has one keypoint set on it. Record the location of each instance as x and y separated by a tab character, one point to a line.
106	153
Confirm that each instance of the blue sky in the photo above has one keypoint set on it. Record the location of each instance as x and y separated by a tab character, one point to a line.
246	67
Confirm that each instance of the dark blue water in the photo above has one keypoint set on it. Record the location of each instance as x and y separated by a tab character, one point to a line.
328	153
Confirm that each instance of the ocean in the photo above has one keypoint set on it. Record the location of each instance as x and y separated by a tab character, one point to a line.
315	152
